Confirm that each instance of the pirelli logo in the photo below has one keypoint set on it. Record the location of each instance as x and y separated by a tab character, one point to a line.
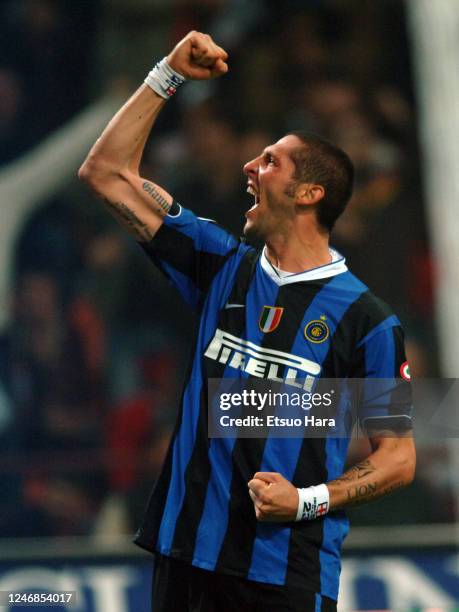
261	362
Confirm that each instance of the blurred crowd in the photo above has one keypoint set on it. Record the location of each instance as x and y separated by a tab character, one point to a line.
93	356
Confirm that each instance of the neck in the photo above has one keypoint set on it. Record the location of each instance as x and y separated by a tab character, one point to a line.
296	253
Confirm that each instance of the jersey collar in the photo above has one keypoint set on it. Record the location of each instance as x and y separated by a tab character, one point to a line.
336	266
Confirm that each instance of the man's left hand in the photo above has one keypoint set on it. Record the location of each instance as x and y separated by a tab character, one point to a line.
274	497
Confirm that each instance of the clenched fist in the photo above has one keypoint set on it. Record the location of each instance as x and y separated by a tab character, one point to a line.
274	497
197	57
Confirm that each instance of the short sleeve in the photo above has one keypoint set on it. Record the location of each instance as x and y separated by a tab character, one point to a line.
190	251
385	395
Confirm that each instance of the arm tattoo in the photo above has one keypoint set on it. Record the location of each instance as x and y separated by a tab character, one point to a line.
357	471
130	220
162	202
364	493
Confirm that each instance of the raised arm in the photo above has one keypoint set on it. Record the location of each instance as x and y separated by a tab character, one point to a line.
389	467
112	166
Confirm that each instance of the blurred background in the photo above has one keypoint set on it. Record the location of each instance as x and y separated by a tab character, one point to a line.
94	343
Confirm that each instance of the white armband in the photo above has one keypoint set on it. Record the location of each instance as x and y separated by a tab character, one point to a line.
312	502
164	80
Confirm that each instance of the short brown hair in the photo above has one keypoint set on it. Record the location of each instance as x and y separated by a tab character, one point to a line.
318	161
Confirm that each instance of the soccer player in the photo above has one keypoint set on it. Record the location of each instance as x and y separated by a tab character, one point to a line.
257	524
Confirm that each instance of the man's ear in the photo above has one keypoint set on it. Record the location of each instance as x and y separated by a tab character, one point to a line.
307	194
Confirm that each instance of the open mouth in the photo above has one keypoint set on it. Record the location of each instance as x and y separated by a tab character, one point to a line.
251	190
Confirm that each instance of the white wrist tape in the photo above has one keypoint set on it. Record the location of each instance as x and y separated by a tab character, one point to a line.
164	80
312	502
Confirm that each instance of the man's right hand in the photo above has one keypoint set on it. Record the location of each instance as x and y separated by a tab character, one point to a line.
112	166
197	57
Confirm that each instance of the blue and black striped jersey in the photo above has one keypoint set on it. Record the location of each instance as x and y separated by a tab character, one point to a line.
255	322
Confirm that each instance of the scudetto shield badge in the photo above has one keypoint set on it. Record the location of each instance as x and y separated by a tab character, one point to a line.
270	318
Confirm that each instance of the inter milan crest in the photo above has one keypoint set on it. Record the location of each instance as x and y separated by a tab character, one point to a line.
317	330
270	318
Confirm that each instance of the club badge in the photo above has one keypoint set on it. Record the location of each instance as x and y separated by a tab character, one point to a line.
317	330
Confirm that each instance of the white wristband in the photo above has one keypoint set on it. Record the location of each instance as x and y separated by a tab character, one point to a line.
164	80
312	502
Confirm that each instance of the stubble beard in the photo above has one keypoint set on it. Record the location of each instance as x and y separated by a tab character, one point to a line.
274	221
254	233
290	189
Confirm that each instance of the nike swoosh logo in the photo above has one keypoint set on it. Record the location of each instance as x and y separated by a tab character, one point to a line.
228	305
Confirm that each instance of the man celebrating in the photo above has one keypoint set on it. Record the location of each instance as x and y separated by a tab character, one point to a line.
256	524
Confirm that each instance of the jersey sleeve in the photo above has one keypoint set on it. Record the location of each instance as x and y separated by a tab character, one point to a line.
385	399
190	251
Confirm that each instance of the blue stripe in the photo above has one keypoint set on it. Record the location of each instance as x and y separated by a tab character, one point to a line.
270	551
207	236
388	323
318	605
335	525
380	353
380	356
214	519
185	439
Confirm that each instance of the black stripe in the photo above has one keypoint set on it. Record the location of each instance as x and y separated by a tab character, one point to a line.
399	344
179	251
244	276
327	604
344	359
198	470
196	479
236	551
306	537
147	534
402	398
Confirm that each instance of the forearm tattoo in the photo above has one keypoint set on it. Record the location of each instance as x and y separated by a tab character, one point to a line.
362	492
365	493
130	221
157	197
357	471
